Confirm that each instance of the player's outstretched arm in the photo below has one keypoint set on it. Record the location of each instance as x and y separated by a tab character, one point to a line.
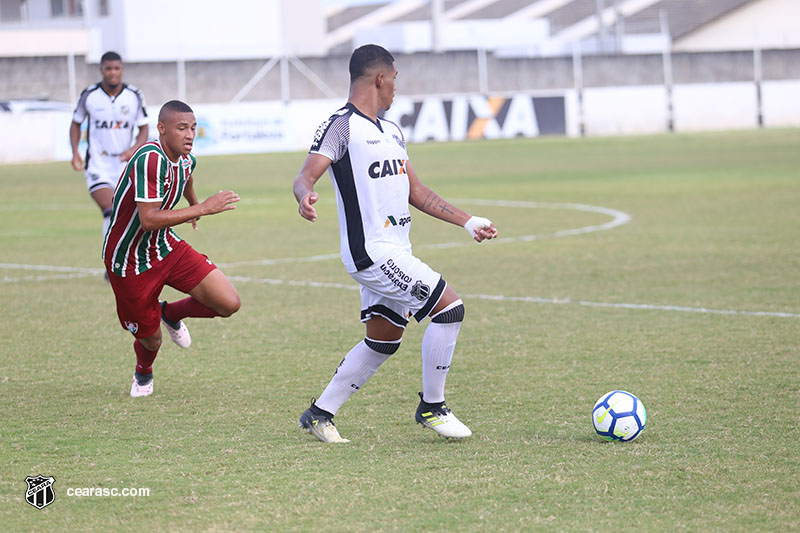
426	200
153	217
313	168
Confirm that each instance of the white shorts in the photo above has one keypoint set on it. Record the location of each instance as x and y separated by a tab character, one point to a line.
103	173
397	287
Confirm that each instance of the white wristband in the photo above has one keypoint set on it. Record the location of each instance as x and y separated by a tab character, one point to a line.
476	223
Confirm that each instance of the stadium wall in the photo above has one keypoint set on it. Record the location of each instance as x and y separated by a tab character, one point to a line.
274	126
420	74
441	98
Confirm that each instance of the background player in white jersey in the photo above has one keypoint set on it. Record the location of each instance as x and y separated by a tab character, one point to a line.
114	110
374	181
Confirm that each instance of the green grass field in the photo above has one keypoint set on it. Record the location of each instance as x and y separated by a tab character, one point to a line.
693	305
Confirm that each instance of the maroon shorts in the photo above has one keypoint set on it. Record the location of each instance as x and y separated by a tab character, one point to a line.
137	296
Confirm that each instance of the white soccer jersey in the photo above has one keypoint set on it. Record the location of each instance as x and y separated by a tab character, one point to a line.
110	130
368	170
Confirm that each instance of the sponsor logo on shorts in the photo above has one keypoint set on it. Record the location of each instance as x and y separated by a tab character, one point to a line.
420	291
396	275
392	221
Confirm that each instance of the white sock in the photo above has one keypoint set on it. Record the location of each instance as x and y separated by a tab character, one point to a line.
356	368
438	345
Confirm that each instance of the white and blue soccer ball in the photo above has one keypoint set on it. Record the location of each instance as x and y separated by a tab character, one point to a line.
619	415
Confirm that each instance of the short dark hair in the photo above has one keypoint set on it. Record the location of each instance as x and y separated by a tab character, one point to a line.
110	56
173	106
368	56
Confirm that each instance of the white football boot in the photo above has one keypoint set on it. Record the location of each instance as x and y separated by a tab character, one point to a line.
320	426
440	419
178	331
141	390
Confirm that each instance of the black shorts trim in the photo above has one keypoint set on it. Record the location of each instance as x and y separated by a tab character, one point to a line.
433	299
100	185
386	313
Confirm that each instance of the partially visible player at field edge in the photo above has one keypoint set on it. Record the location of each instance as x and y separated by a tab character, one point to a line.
142	252
113	110
375	183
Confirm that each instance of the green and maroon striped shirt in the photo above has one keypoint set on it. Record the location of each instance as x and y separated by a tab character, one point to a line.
149	177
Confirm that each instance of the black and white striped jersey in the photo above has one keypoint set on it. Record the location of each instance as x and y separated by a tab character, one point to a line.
368	170
112	122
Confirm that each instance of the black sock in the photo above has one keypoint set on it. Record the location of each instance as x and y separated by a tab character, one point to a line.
316	411
142	379
427	405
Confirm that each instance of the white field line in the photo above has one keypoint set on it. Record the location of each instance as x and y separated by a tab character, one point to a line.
8	279
618	218
77	272
52	268
91	207
533	299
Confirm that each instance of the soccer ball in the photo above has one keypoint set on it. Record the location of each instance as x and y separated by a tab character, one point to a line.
619	415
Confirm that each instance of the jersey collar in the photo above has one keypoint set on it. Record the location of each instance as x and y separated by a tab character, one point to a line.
355	110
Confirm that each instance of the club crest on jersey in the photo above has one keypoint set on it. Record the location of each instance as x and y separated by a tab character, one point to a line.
133	327
420	291
186	162
40	492
387	167
125	109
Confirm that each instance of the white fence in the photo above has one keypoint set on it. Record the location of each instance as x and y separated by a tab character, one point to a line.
277	127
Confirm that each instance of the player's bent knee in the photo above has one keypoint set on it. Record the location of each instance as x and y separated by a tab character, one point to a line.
230	305
152	343
451	314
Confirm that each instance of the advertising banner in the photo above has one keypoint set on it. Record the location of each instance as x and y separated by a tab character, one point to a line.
458	118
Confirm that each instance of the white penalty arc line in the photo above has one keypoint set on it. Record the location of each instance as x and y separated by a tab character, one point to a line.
618	218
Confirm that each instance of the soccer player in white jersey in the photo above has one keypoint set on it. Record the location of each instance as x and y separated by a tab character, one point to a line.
114	110
142	252
375	183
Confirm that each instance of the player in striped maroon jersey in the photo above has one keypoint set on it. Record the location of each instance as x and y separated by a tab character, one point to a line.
142	252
